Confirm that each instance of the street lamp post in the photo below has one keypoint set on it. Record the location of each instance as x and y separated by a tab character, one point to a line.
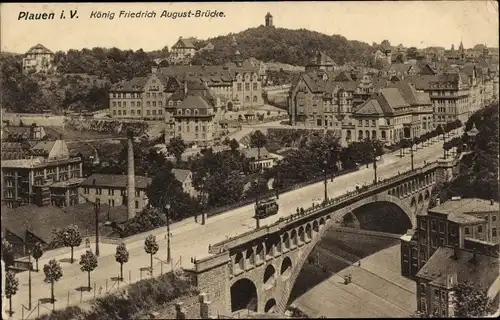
257	219
326	180
411	154
97	208
375	165
167	213
278	168
29	281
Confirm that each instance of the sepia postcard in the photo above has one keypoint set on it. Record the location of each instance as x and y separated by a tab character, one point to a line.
287	159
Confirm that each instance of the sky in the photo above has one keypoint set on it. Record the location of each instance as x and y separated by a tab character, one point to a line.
411	23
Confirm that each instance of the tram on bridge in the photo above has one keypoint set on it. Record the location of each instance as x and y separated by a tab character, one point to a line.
265	208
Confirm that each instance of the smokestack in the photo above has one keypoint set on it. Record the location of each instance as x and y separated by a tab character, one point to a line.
130	176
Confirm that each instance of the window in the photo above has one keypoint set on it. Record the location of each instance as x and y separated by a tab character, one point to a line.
239	87
441	227
254	98
86	190
255	87
480	229
467	231
148	112
98	191
493	218
493	232
137	193
422	288
433	225
423	306
111	192
137	204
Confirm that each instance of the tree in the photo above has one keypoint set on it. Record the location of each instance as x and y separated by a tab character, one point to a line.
37	253
7	253
88	263
412	53
151	248
72	238
11	287
258	140
470	301
234	145
121	257
176	147
53	273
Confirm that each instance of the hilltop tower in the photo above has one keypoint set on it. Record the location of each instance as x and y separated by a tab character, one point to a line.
130	175
269	20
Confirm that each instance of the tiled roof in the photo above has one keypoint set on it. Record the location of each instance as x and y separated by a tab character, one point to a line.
13	150
38	47
390	99
115	181
253	153
483	272
410	94
466	205
181	174
43	147
194	102
135	85
322	59
370	107
214	73
184	43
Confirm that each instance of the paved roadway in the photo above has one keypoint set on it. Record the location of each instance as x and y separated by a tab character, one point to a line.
190	239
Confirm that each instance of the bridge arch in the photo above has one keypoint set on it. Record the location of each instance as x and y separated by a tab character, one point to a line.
243	295
420	198
427	195
269	277
413	202
270	306
286	268
319	229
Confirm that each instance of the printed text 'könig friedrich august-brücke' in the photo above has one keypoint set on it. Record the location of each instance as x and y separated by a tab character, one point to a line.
122	14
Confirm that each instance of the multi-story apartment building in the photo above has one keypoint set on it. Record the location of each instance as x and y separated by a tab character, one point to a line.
142	97
50	176
452	244
38	59
463	223
449	93
183	48
449	266
237	84
191	114
111	189
322	62
392	114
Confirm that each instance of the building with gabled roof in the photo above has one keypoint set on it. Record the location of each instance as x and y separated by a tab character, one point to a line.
183	48
38	59
321	61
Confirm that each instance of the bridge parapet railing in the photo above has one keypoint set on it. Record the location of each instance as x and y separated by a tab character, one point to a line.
231	242
351	194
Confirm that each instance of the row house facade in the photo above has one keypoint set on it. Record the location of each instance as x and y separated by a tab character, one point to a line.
454	242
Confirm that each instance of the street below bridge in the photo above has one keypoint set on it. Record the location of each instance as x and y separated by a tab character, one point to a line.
190	239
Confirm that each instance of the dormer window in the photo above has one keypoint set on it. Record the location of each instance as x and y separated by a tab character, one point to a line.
170	103
187	112
179	111
179	102
196	111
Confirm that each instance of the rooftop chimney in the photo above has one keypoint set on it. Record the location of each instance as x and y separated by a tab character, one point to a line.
130	176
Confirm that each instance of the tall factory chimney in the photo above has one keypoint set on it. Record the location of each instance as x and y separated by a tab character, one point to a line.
130	175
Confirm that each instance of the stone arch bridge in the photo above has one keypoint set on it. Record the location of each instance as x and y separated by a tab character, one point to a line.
257	270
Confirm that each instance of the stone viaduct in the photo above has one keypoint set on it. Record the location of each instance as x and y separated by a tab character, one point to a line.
257	270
